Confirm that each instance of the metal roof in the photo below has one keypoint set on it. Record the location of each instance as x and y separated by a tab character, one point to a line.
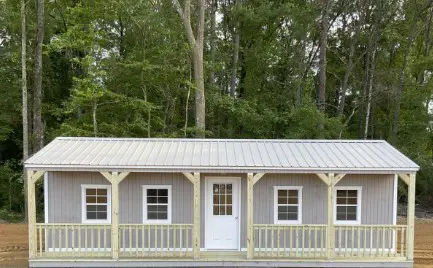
221	155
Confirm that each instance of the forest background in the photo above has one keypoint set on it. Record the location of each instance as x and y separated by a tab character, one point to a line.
275	69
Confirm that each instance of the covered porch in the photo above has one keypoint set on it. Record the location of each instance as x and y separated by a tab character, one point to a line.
274	243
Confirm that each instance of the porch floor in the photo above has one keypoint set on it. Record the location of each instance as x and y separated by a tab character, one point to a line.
217	259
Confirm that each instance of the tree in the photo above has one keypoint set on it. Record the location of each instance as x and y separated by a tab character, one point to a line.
38	125
24	96
196	43
322	57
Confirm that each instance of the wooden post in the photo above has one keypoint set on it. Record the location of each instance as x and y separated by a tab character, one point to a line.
115	178
196	229
330	180
411	217
410	180
115	220
32	178
250	216
195	180
331	233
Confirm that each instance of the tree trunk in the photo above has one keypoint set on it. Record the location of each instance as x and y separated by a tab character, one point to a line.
38	127
94	118
24	98
370	92
214	7
349	66
401	85
426	46
196	44
235	62
322	56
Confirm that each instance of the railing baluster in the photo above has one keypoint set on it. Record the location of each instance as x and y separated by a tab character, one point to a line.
92	241
402	243
60	231
266	241
309	229
168	239
105	240
285	240
130	240
142	241
85	242
66	239
296	240
389	241
303	240
383	242
39	227
180	237
290	240
371	241
148	240
73	240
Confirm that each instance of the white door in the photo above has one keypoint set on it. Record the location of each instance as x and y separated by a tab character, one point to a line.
222	209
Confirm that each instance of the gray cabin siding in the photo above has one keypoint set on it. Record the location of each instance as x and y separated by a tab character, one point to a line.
64	194
376	200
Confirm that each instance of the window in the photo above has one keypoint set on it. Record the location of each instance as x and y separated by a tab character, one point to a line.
287	204
347	205
222	199
157	203
96	203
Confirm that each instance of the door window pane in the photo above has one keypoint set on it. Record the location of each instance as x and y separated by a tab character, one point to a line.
222	199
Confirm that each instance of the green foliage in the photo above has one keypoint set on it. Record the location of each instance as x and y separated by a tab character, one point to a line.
123	69
11	190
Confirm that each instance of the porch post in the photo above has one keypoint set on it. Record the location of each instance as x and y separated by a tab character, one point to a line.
411	217
32	178
195	180
330	180
331	232
115	178
250	221
196	229
251	180
410	180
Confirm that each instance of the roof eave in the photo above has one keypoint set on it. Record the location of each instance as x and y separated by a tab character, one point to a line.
210	169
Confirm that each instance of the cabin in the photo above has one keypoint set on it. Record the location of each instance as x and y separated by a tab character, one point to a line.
124	202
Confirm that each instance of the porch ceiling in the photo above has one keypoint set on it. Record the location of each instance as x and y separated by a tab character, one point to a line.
218	155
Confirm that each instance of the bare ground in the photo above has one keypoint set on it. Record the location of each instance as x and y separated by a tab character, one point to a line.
14	248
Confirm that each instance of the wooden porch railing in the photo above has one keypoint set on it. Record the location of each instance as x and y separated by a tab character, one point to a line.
73	240
155	240
302	241
370	241
175	240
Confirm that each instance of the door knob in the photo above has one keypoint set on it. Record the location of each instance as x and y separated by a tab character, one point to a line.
236	218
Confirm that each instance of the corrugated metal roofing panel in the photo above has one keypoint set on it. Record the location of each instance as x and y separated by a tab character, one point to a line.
219	154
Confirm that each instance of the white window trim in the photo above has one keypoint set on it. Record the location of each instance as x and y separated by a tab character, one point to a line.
83	203
276	188
145	220
358	205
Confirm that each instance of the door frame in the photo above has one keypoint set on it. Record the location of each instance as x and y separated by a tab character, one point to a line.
239	181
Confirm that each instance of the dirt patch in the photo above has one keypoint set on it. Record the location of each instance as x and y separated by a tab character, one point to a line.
424	243
14	247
